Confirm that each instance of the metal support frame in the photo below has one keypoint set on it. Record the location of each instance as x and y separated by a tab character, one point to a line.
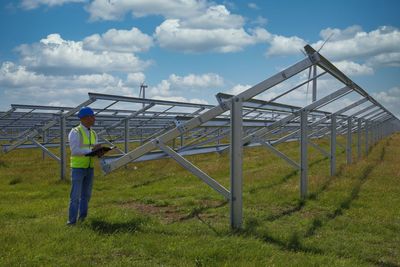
349	140
236	158
333	145
63	148
252	122
193	169
314	84
359	128
45	150
367	125
278	153
126	136
303	154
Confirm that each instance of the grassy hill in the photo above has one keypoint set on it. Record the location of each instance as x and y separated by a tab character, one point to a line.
155	213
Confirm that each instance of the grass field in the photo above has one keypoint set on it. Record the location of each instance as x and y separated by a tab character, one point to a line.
155	213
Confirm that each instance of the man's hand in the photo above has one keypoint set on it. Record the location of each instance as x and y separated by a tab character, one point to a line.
99	153
96	147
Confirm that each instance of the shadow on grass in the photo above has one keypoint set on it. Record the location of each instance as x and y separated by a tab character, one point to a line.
3	164
150	182
199	209
285	178
383	263
104	227
294	243
15	181
300	204
346	203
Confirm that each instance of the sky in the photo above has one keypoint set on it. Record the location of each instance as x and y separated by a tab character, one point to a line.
53	52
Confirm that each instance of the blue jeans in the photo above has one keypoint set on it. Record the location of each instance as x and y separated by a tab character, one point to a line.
81	191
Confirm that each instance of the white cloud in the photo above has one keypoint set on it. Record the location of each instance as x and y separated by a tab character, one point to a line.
196	81
387	59
172	35
13	76
32	4
173	87
22	85
253	6
119	41
190	26
116	9
353	69
135	79
215	17
371	50
281	45
238	88
390	99
58	56
352	42
379	45
180	99
260	20
334	34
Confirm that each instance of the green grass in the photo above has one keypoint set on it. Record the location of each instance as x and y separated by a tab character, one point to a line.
155	213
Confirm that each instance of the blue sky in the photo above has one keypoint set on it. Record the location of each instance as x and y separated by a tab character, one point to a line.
55	51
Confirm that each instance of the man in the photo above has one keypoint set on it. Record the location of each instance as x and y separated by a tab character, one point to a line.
82	140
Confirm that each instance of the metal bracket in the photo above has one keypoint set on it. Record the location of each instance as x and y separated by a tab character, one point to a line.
182	128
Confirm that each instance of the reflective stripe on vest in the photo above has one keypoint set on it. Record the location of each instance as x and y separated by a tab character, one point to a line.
83	161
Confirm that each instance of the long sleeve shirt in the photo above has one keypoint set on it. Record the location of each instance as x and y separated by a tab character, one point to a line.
75	142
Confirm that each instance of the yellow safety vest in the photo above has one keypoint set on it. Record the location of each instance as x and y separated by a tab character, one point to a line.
83	161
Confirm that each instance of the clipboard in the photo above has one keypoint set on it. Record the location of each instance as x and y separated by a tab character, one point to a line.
103	149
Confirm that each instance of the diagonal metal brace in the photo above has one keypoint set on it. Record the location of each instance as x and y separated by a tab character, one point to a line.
193	169
278	153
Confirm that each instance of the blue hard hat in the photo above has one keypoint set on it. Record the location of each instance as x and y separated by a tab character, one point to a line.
85	111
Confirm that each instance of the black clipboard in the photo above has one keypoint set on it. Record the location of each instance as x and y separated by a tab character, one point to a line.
103	149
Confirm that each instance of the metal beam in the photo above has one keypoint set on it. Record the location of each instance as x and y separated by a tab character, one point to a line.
193	169
333	145
236	163
303	154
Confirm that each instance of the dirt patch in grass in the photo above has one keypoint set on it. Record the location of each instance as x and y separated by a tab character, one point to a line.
15	181
166	214
170	214
3	164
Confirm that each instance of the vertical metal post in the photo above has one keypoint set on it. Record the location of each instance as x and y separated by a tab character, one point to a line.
44	143
303	154
372	132
333	144
63	148
236	157
126	136
349	141
314	84
359	122
181	140
366	137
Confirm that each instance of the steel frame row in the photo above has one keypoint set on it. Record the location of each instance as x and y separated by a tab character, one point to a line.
175	129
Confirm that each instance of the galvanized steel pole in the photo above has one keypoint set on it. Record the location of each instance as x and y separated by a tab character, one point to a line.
236	158
359	124
303	153
126	136
349	140
63	147
333	144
